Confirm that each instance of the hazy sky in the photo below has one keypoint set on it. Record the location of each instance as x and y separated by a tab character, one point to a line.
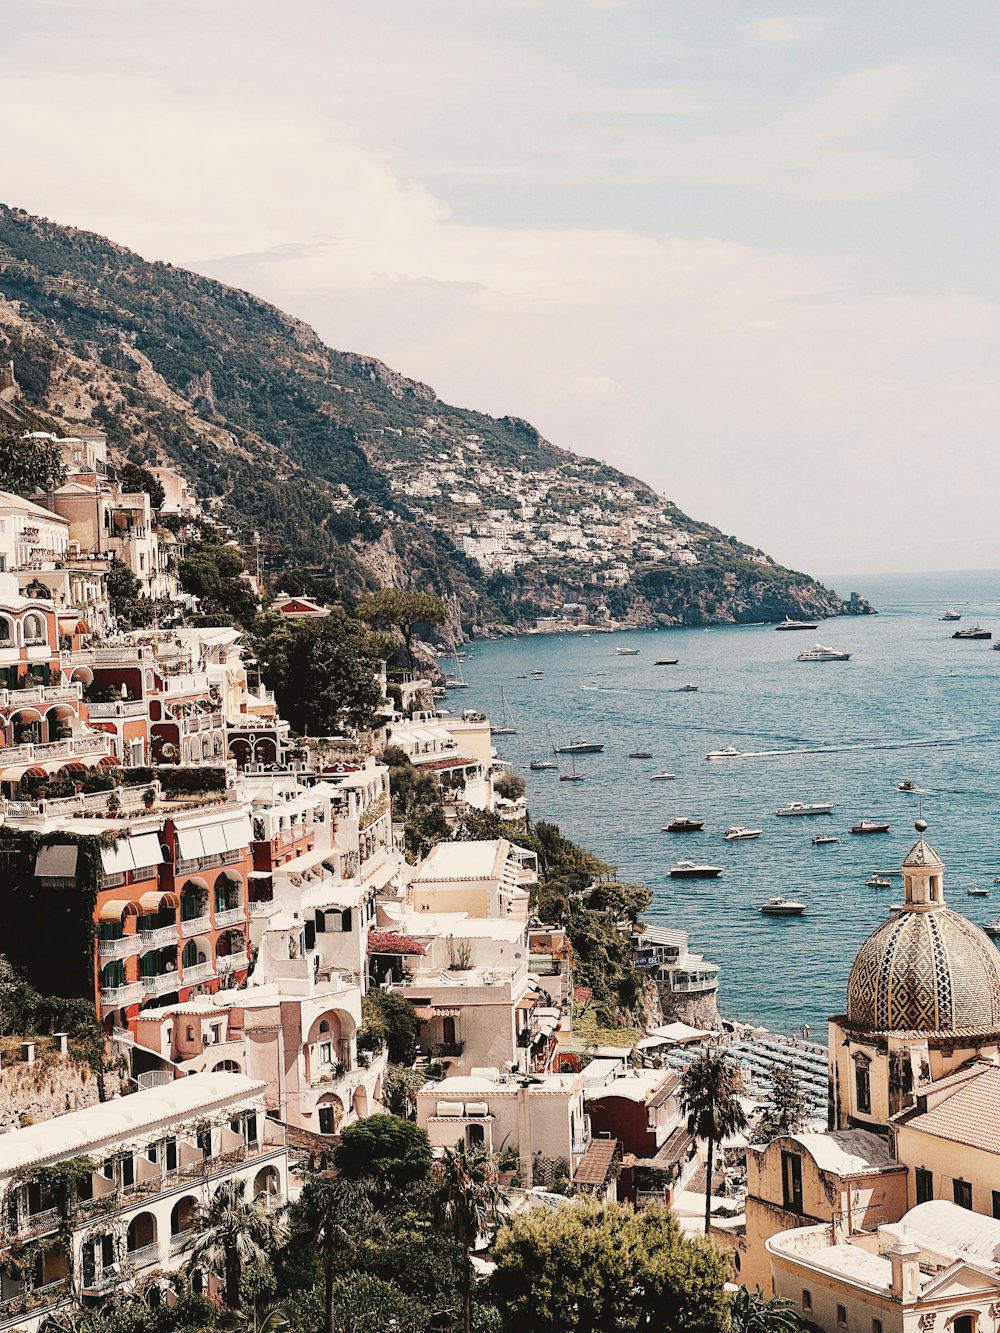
746	251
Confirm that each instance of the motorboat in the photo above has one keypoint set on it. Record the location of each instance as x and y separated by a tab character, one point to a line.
580	747
690	870
640	754
789	623
802	808
663	777
821	653
870	826
730	752
992	928
996	647
952	614
542	765
876	881
824	840
977	632
683	825
535	675
626	652
977	893
666	661
688	689
908	785
740	834
782	907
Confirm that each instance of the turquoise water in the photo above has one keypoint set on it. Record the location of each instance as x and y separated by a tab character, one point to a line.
911	704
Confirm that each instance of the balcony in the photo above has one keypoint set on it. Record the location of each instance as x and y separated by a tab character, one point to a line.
117	997
154	939
232	962
161	983
230	916
120	948
144	1256
120	708
264	907
37	1223
196	925
445	1049
198	972
67	749
41	694
182	1241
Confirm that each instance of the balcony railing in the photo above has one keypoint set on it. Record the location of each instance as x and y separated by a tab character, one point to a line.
441	1049
161	983
231	962
198	972
76	745
264	907
41	694
144	1256
120	708
36	1223
124	947
153	939
196	925
116	997
182	1241
230	916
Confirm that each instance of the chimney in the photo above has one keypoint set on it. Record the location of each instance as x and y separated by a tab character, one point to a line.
905	1261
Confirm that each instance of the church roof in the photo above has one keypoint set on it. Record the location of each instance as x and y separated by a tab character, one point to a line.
922	856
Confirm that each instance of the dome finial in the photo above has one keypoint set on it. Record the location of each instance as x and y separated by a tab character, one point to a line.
921	825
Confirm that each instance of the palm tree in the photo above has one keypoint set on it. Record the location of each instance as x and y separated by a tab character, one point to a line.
261	1319
469	1200
233	1232
337	1215
752	1312
710	1089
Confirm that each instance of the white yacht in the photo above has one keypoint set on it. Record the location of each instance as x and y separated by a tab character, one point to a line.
663	777
691	870
626	652
782	907
952	614
728	753
740	834
823	654
801	808
789	623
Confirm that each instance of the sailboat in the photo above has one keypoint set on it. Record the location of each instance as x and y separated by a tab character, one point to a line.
572	775
456	681
507	726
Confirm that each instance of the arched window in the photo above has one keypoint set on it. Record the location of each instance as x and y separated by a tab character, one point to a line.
6	632
862	1084
34	630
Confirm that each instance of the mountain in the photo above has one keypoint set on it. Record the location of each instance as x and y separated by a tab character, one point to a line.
340	463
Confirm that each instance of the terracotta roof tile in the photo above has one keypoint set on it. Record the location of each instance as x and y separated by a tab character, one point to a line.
959	1116
596	1162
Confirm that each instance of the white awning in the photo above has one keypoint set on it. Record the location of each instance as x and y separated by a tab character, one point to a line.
116	860
146	850
238	833
189	843
213	839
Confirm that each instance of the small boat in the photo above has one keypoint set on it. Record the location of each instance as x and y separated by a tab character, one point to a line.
823	840
906	786
801	808
992	928
728	753
580	747
572	775
782	907
688	689
663	777
789	623
640	754
683	825
542	765
870	826
740	834
823	654
952	614
536	675
977	632
666	661
689	870
977	893
626	652
876	881
507	725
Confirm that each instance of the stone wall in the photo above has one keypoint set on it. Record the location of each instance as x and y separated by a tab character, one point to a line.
698	1011
30	1093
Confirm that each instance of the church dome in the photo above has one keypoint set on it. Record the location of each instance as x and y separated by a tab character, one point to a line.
926	969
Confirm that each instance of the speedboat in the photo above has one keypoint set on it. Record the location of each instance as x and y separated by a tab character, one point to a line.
992	928
666	661
536	675
689	870
977	893
800	808
688	689
640	754
740	834
789	623
580	747
823	840
542	765
823	654
952	614
626	652
683	825
663	777
870	826
876	881
782	907
728	753
908	785
977	632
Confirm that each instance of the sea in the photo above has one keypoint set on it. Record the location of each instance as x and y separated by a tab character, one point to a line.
911	704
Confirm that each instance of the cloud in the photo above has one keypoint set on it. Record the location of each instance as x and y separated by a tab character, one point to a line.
781	29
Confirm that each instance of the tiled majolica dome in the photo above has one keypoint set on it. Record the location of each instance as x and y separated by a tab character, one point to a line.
926	969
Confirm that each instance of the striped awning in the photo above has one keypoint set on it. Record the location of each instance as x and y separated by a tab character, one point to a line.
113	909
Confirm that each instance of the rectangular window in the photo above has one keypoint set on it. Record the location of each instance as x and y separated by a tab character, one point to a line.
170	1154
791	1181
205	1142
841	1316
251	1128
863	1087
128	1170
962	1193
925	1185
807	1301
996	1203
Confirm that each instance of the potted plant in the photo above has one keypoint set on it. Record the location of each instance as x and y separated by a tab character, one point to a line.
114	803
148	798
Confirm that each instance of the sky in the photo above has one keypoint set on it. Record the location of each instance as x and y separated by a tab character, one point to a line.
744	251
